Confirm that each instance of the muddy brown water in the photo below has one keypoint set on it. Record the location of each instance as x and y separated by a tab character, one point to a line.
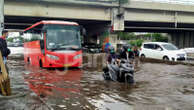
158	86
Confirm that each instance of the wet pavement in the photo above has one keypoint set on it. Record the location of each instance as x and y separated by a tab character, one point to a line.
158	86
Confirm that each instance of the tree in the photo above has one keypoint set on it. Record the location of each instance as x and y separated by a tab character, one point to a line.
126	36
159	38
21	38
137	43
10	39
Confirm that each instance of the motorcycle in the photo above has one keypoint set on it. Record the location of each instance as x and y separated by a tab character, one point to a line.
123	72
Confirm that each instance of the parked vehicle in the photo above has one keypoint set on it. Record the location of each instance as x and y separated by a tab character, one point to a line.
122	73
91	48
53	44
18	44
10	44
163	51
189	52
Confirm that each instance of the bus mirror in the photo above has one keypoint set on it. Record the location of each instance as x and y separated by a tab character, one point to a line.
83	31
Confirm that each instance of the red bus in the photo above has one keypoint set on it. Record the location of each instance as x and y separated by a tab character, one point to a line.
53	44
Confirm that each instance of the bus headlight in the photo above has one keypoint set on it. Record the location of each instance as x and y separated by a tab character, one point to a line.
77	56
52	57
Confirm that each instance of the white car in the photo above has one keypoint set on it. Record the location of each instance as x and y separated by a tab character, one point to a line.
163	51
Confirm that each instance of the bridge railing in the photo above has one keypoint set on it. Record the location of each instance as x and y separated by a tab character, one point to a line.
183	2
95	1
85	2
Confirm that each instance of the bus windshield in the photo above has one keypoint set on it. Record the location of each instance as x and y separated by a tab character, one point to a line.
62	37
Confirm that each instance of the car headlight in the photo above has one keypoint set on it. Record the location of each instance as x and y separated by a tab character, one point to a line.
78	56
52	57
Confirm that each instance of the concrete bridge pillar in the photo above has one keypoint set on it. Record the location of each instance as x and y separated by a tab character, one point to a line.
192	39
117	19
182	39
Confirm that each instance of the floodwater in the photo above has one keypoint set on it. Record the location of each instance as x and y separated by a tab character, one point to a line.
158	87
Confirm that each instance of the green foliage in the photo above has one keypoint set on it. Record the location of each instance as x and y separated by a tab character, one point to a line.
159	38
137	43
10	39
21	39
126	36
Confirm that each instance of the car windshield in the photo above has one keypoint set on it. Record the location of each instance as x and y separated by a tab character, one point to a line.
170	47
61	37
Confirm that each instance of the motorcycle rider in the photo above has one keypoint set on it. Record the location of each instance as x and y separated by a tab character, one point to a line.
114	71
127	52
128	55
112	55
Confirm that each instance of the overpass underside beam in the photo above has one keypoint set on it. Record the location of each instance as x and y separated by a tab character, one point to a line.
40	9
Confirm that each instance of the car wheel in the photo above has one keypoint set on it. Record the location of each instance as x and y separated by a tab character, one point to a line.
165	58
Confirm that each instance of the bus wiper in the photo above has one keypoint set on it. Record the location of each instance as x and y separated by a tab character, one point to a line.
66	48
53	49
71	48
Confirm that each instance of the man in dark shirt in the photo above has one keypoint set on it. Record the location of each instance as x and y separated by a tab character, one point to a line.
126	53
3	45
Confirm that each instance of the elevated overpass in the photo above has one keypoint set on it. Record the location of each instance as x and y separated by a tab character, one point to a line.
98	15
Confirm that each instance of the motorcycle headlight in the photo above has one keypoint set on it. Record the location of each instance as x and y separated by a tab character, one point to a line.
52	57
77	56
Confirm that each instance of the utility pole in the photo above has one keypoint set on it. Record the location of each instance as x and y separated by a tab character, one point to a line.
1	16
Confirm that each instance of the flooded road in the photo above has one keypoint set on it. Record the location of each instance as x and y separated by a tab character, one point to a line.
158	87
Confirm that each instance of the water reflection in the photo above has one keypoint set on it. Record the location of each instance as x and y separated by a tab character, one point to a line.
54	82
58	88
158	87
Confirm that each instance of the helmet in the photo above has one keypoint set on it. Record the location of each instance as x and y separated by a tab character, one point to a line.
127	47
111	49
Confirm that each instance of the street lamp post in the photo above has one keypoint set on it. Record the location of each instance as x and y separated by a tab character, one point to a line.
1	16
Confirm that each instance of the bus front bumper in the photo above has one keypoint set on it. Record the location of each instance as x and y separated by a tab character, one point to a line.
55	64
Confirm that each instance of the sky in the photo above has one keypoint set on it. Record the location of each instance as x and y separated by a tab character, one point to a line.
187	2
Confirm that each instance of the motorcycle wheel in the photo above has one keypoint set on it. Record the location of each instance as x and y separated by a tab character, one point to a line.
129	79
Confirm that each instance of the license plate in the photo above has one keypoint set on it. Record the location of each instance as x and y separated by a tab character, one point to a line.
67	65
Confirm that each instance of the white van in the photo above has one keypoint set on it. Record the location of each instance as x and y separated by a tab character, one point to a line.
161	50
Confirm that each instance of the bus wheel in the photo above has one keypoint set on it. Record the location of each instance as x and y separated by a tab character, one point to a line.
40	63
